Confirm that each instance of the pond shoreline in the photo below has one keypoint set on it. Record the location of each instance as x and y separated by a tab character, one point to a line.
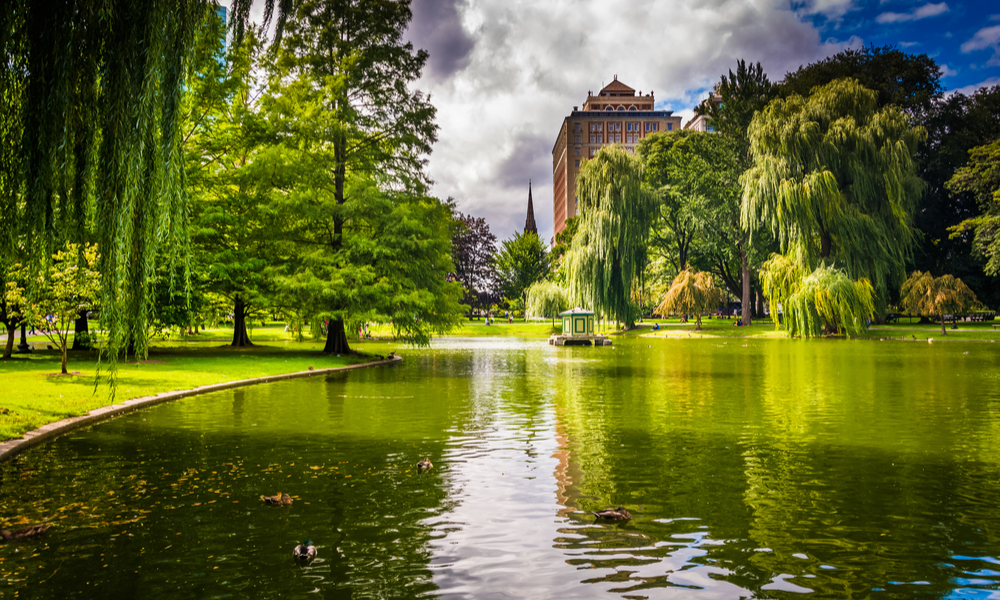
11	448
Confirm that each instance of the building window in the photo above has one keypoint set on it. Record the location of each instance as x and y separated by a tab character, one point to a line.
670	126
578	151
576	139
576	127
632	107
593	127
592	153
578	162
618	126
600	126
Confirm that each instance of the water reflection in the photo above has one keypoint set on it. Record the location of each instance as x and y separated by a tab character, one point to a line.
772	470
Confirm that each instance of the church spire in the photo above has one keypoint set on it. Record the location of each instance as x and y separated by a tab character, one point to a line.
529	223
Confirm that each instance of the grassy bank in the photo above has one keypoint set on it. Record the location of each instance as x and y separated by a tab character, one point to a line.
34	393
673	328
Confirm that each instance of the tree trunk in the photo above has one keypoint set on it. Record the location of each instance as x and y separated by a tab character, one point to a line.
336	339
745	268
63	348
11	332
240	337
943	330
81	326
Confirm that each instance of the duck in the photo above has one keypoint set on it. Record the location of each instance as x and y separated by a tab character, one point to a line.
424	464
304	551
282	499
614	514
24	532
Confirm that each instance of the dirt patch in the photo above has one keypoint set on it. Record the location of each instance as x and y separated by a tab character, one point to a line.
70	374
146	362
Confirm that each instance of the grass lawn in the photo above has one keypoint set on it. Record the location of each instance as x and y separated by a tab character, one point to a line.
34	393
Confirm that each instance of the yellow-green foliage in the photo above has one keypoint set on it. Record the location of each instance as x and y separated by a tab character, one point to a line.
546	299
834	178
690	294
926	295
68	288
609	249
824	300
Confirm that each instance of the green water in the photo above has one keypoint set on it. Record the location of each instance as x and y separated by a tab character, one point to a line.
775	469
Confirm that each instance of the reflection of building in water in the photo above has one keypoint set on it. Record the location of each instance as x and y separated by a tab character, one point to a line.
567	472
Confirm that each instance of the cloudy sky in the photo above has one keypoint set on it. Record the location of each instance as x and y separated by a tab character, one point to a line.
504	73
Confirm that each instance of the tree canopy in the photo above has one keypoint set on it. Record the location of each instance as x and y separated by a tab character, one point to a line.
909	81
519	262
346	162
926	295
609	250
823	301
691	293
981	178
473	246
546	299
834	179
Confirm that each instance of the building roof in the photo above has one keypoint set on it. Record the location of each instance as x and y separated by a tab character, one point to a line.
617	86
576	311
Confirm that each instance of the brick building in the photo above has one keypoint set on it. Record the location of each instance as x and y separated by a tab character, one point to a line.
616	115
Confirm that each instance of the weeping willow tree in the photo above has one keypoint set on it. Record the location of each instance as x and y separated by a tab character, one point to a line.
90	96
545	299
690	294
926	295
823	301
609	250
834	179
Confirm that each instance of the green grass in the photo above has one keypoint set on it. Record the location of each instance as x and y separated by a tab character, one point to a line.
34	393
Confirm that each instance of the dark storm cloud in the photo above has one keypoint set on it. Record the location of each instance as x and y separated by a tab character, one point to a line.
437	28
529	158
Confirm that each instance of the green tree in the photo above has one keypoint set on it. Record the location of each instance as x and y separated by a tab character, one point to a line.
697	175
741	96
392	268
926	295
690	293
835	181
911	82
608	255
341	108
956	124
233	233
981	178
823	301
546	299
90	134
54	298
520	262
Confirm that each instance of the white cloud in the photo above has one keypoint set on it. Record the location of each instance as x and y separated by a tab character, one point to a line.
531	62
969	89
947	71
987	37
922	12
908	44
984	38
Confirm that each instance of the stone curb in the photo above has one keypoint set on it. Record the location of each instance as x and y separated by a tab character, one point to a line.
12	448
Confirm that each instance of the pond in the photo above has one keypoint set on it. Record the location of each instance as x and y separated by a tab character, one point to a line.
764	469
